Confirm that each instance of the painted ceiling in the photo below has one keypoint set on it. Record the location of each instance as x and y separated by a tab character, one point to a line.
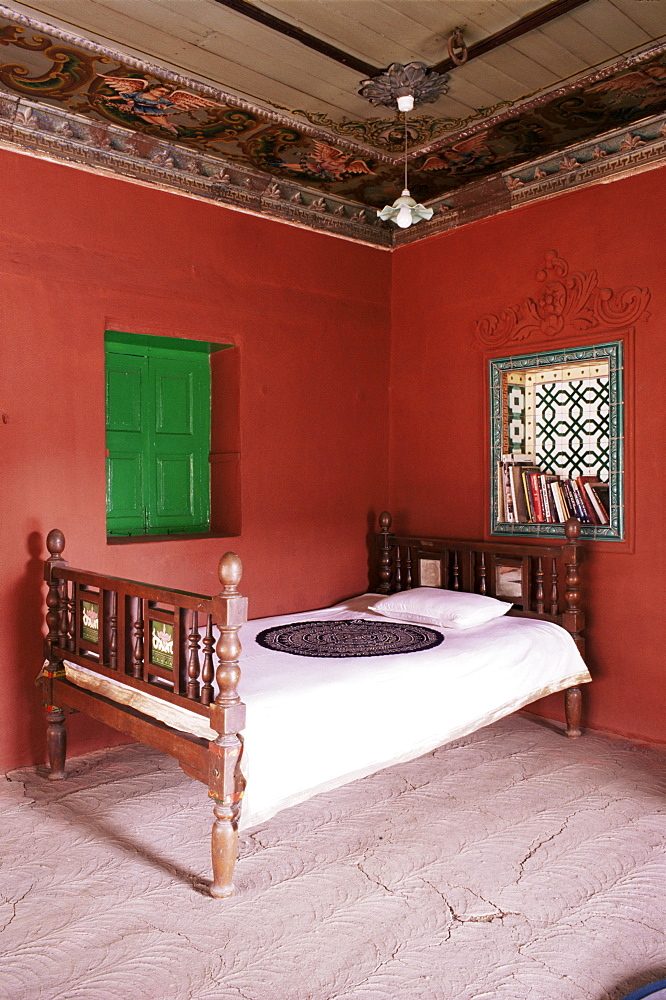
258	106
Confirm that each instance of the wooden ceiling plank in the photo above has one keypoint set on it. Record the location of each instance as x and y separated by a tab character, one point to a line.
611	25
401	31
491	17
106	17
312	87
473	95
117	28
484	75
532	74
578	39
259	40
550	54
338	28
447	107
651	17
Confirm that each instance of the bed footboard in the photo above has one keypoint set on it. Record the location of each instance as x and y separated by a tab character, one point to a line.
161	643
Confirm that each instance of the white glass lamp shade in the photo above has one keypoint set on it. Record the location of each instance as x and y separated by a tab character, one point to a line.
404	211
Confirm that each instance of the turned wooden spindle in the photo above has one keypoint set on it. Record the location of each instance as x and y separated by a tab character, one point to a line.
455	571
193	663
55	543
408	568
482	573
554	592
397	582
56	735
208	670
385	574
227	717
137	648
110	605
539	576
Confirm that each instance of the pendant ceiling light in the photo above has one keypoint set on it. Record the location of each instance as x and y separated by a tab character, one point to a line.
408	86
404	211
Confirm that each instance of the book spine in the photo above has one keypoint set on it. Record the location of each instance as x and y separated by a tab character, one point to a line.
591	512
528	496
509	510
599	505
557	501
580	506
548	515
536	496
570	495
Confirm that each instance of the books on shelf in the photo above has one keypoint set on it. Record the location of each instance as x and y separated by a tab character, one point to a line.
526	494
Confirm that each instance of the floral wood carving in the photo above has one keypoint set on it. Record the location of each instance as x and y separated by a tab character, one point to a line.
569	304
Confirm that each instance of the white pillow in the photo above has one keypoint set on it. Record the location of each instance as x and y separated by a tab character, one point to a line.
444	608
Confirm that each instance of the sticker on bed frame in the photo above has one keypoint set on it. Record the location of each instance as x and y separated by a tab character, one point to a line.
89	621
161	645
430	573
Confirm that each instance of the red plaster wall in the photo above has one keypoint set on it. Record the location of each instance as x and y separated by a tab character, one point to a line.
439	435
80	253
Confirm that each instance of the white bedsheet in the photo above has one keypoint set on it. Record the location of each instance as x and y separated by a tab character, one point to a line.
314	724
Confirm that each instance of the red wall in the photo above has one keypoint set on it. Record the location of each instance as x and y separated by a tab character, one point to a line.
439	435
80	253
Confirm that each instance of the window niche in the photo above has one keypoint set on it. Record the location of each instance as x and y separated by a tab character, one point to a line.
557	423
172	438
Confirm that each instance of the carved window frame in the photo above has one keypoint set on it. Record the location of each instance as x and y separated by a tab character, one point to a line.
612	353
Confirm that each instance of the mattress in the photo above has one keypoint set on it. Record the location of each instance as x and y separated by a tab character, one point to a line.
315	724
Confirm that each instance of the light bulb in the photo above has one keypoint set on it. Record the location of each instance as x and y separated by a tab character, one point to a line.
405	102
404	217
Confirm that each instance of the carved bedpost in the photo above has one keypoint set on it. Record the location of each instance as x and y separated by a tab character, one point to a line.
56	602
227	717
385	573
573	619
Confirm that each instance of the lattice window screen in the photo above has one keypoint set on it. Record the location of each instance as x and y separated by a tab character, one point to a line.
571	427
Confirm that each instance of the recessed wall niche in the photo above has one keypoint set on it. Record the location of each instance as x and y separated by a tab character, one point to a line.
557	441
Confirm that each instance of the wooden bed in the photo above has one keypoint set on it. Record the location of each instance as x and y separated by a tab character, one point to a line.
181	650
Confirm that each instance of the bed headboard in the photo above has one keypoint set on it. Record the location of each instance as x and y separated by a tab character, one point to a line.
540	580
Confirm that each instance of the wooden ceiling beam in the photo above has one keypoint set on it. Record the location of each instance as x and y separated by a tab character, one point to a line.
300	35
536	19
529	22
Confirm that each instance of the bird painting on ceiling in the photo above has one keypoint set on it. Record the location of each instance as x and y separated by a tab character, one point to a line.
329	163
646	84
153	103
463	155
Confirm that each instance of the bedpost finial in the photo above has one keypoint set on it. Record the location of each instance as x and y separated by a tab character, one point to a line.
230	570
572	529
385	520
55	542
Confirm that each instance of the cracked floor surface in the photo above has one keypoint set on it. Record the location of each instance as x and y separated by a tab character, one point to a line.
513	864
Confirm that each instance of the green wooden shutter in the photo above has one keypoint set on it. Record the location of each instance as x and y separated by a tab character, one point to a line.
158	441
126	443
178	484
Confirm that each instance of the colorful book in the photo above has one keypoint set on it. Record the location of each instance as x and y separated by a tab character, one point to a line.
598	504
525	471
591	512
602	493
558	500
533	479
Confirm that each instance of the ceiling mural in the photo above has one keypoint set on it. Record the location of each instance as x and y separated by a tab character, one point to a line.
357	163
